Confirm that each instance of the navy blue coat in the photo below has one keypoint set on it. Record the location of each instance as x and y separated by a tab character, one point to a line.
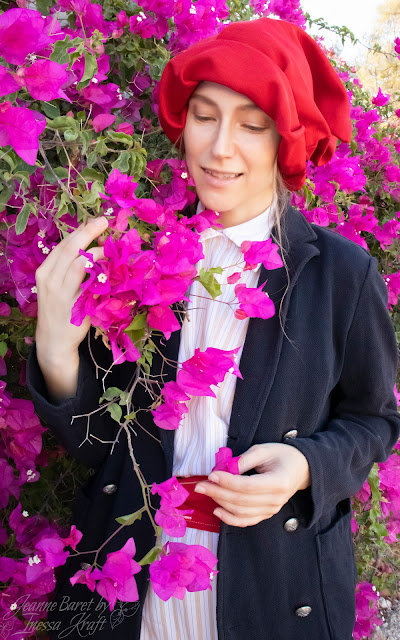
330	378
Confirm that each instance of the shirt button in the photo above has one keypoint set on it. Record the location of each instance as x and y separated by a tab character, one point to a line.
109	489
290	434
291	524
302	612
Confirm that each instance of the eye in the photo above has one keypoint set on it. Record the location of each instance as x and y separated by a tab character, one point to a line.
251	127
203	118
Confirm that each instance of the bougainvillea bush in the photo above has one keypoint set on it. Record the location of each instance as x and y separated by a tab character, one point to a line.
79	138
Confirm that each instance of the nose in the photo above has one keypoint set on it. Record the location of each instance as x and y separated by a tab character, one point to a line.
224	143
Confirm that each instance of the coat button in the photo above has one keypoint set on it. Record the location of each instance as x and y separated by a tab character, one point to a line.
291	524
109	489
85	565
302	612
290	434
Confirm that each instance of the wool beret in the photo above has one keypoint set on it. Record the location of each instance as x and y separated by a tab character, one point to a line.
283	71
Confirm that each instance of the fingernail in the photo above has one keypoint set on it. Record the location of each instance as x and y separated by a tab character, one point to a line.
213	477
100	221
217	513
199	489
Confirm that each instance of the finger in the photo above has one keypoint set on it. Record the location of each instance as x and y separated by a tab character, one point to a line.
62	256
238	498
270	482
77	271
236	521
258	455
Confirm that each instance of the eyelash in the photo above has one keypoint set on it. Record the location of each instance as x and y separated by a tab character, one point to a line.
248	126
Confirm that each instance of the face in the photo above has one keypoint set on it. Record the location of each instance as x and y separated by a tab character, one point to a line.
231	147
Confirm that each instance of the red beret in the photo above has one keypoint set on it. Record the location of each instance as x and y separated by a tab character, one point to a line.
283	71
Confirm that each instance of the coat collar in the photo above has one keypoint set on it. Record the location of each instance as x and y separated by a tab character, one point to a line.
263	343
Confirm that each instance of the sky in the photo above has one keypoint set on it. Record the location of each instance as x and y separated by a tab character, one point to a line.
358	15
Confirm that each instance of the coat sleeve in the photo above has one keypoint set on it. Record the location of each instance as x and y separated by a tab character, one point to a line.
364	424
72	433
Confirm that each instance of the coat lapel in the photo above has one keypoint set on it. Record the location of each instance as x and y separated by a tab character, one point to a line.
262	347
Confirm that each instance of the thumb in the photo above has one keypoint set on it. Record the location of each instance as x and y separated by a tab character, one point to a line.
257	455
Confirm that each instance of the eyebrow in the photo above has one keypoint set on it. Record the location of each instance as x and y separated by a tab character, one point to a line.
243	107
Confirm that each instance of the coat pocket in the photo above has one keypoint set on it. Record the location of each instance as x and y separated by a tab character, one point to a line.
338	573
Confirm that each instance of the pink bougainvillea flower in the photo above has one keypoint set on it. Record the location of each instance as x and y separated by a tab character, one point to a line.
253	302
121	189
182	568
115	580
169	415
162	318
53	550
381	99
23	31
172	520
224	461
84	576
149	211
171	492
233	278
125	127
5	309
264	251
397	45
8	84
206	368
8	483
366	611
21	128
103	120
44	79
73	539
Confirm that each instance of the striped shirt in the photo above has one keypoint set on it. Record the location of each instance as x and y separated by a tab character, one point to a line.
204	429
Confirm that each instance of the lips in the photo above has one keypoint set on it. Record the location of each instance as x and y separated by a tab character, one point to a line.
219	175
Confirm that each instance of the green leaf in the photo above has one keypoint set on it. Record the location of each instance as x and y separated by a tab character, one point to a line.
70	135
115	412
22	219
124	398
63	122
110	394
131	416
5	195
51	110
130	518
91	174
120	136
122	162
60	51
138	322
90	69
209	281
61	173
91	159
3	349
150	556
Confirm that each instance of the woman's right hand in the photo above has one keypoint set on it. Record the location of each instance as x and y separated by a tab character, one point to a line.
58	281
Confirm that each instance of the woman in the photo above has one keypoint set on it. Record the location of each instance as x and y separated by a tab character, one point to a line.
315	408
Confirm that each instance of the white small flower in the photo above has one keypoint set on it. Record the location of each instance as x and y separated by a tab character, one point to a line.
29	472
33	289
102	277
10	261
31	57
167	233
42	234
373	588
1	253
94	80
192	10
212	8
36	559
45	250
139	19
184	175
120	97
13	606
88	264
109	211
25	514
142	15
40	244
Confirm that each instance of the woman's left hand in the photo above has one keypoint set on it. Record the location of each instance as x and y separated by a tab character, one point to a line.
246	500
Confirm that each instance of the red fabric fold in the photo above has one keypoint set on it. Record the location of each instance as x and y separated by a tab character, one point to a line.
202	517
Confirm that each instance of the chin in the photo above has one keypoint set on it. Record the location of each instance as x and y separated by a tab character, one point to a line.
214	202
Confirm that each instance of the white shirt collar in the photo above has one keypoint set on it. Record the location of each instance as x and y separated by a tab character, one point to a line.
258	228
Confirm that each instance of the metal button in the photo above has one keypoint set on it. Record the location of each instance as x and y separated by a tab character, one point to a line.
291	524
85	565
302	612
290	434
109	489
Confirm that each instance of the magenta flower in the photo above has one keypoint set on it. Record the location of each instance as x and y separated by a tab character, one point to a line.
171	492
21	128
84	576
366	611
44	79
381	99
206	368
169	415
24	31
173	495
8	84
125	127
225	462
103	120
264	251
53	551
233	278
182	568
121	189
397	46
162	318
73	539
253	302
115	580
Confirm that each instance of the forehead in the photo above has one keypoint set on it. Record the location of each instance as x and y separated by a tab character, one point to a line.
219	95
